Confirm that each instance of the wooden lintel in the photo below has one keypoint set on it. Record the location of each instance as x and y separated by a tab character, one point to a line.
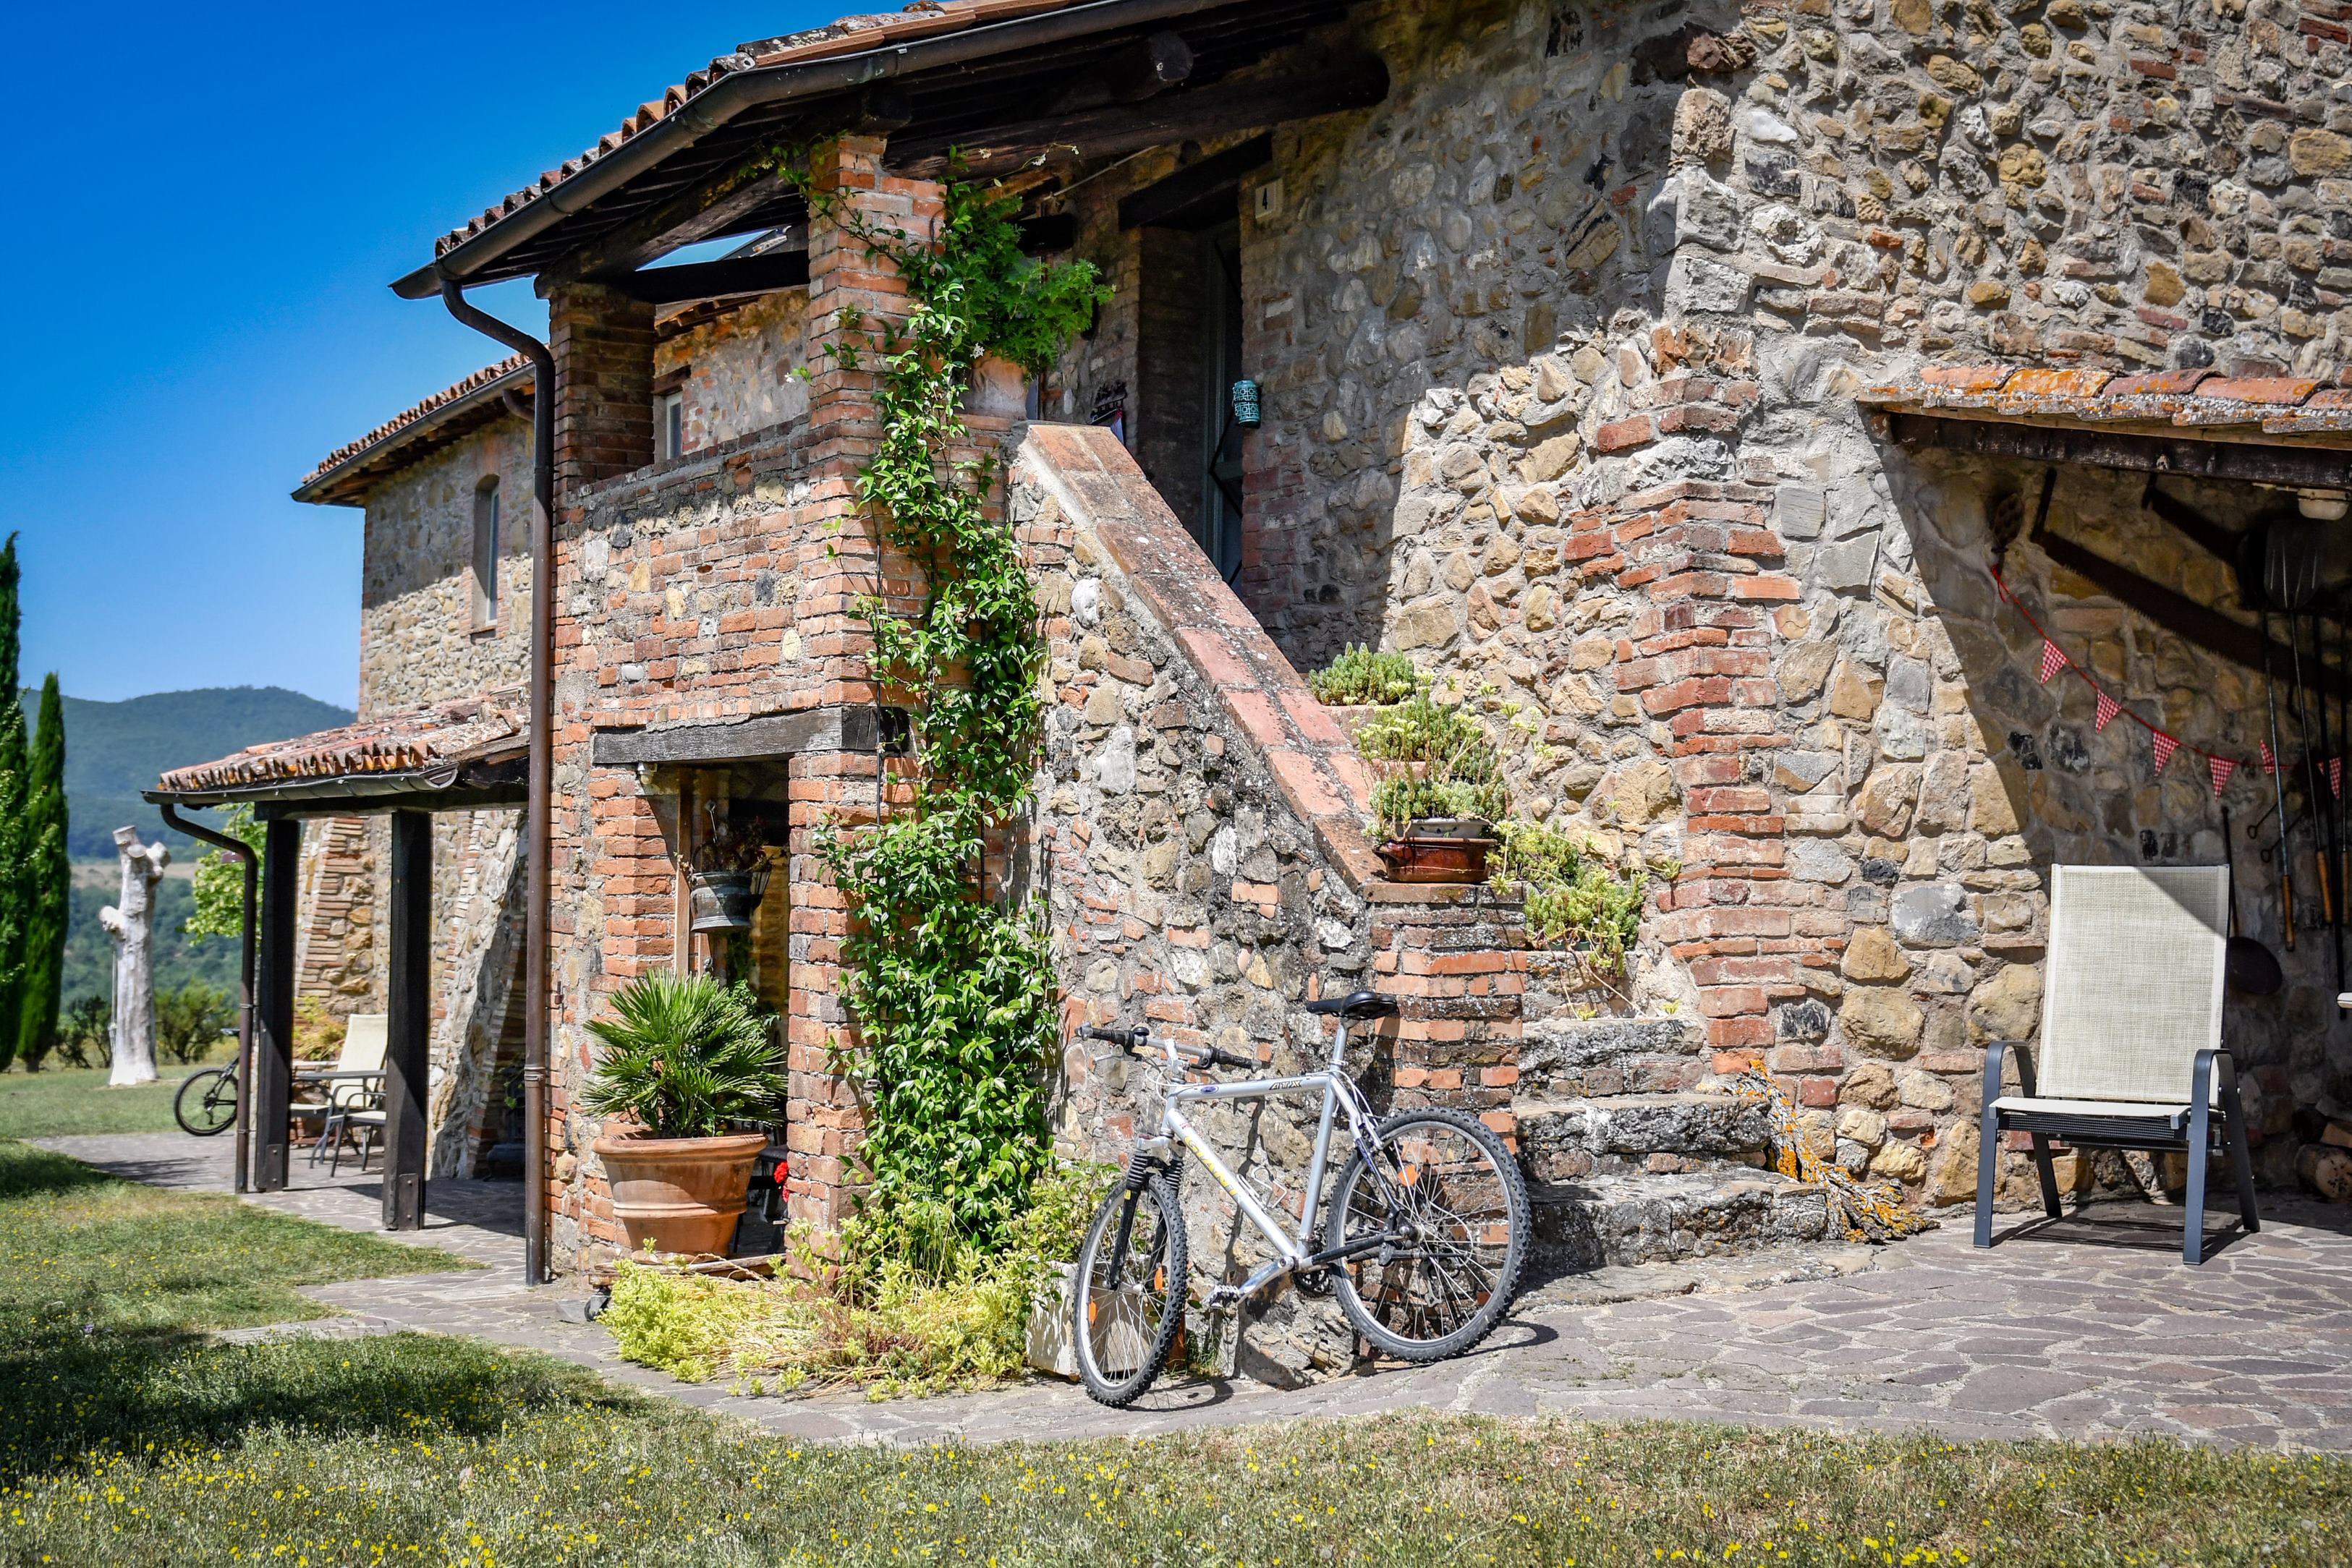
2197	458
1186	114
1168	198
765	737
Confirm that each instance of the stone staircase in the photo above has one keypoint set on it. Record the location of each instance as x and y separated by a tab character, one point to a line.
1633	1156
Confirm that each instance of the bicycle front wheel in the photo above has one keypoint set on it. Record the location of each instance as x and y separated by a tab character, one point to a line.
1128	1302
1439	1221
206	1102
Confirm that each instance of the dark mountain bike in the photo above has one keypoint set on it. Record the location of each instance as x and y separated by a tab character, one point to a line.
206	1102
1422	1245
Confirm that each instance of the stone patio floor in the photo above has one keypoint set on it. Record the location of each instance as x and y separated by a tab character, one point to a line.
2086	1327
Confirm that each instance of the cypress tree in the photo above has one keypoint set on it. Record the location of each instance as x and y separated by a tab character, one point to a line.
49	883
12	810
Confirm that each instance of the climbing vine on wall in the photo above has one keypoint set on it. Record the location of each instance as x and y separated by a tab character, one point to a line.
953	991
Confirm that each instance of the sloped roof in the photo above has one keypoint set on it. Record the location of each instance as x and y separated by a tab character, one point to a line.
2194	403
342	474
437	738
923	19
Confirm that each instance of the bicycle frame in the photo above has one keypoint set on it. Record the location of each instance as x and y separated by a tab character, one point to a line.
1339	1096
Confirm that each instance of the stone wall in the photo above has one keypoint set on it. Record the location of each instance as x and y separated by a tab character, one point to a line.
1196	843
419	643
736	371
418	640
1559	349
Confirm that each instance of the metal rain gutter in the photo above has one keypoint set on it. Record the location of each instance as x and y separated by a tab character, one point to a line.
334	787
252	862
537	812
759	88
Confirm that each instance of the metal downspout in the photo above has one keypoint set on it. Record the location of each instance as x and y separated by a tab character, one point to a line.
536	814
244	855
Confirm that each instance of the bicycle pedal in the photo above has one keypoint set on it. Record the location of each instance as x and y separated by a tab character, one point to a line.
1224	1299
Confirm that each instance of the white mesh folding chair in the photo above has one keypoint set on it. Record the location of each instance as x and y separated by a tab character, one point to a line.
2130	1055
355	1089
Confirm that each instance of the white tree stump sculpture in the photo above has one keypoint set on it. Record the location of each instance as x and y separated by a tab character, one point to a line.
132	925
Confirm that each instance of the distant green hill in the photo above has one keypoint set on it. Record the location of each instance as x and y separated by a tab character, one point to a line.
113	750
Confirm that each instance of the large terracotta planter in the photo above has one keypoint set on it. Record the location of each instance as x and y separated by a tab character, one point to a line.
680	1195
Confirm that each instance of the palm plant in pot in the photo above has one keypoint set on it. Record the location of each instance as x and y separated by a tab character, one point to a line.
685	1062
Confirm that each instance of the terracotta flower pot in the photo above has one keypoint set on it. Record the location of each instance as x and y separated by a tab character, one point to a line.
1447	859
681	1195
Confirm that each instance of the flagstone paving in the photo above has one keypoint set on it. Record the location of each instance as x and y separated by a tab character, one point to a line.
2087	1327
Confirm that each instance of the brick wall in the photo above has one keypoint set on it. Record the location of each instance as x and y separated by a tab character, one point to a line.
603	342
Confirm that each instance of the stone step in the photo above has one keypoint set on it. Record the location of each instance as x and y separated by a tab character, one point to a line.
1565	1057
1613	1221
1563	1140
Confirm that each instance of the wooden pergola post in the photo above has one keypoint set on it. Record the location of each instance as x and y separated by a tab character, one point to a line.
407	1061
273	1051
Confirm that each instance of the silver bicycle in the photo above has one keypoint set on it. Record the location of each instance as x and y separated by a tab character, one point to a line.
1422	1245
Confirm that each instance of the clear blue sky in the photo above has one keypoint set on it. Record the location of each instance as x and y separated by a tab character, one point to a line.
205	204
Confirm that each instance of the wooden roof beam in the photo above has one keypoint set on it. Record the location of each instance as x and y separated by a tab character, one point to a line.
1187	114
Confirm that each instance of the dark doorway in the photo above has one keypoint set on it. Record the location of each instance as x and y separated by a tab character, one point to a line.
1190	355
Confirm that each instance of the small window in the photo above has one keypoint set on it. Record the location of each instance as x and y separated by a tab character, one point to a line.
670	425
486	554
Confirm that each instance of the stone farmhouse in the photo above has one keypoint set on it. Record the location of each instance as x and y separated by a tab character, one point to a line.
1670	380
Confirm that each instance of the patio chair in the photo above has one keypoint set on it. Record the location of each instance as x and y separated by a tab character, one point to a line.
2130	1054
355	1089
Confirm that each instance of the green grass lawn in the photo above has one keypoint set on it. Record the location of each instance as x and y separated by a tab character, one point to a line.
64	1103
411	1449
84	1255
130	1439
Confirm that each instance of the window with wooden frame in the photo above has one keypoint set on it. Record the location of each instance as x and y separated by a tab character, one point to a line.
486	555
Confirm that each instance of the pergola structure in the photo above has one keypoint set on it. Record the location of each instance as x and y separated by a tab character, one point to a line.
453	756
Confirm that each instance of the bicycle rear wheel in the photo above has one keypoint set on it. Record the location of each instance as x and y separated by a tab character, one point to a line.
1450	1210
206	1102
1127	1302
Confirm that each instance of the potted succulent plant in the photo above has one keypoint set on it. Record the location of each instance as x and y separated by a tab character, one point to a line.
685	1062
1439	793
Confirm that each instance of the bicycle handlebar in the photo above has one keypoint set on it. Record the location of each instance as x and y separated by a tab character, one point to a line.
1134	1039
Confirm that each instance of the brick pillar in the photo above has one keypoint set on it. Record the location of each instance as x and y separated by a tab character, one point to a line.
1454	960
604	347
1698	659
824	1114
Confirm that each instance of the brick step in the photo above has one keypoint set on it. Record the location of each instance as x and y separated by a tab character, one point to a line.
1567	1058
1564	1140
1606	1221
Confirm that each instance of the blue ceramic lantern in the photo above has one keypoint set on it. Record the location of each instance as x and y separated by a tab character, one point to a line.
1245	404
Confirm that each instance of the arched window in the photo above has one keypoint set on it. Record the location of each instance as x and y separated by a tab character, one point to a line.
486	554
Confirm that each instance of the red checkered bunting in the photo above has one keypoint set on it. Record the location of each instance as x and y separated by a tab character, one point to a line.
2222	768
2165	747
2269	763
2108	708
2053	658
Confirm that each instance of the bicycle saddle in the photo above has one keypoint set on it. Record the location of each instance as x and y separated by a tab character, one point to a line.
1356	1005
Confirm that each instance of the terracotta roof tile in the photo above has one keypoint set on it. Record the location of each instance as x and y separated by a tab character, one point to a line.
2159	383
441	734
2184	400
925	18
408	417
